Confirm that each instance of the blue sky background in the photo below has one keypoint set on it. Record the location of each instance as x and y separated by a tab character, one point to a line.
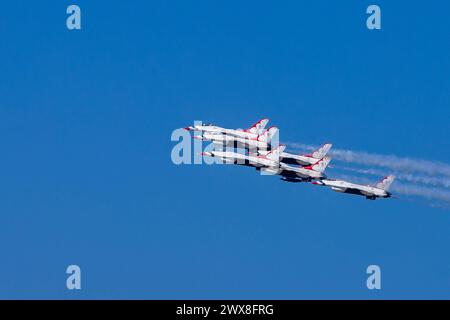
86	176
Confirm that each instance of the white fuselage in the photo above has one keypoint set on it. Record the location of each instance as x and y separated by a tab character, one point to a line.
211	130
244	159
235	141
348	187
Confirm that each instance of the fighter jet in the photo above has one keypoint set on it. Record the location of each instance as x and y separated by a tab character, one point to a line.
307	159
251	133
301	174
371	192
271	160
260	142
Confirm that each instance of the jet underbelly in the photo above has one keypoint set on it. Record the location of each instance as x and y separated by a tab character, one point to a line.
349	190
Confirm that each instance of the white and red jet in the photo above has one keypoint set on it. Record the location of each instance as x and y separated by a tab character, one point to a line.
270	164
305	159
270	160
299	173
371	192
262	141
251	133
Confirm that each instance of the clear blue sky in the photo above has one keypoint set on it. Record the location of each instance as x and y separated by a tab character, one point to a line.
86	176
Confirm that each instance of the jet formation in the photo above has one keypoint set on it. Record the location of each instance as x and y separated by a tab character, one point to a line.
262	152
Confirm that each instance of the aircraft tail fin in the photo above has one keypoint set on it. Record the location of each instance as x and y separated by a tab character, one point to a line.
385	183
274	154
322	151
321	165
268	134
258	127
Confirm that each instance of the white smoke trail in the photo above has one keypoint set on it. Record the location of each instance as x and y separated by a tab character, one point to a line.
415	178
428	193
400	164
